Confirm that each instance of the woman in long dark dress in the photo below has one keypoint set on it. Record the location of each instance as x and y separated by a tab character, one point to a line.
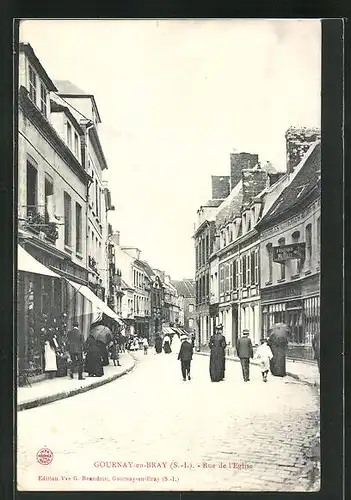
158	344
167	345
217	345
103	352
278	345
93	361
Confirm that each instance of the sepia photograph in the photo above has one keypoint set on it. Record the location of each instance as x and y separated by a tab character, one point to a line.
168	247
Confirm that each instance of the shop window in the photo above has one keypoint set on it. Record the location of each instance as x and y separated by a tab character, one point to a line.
32	190
43	99
68	218
281	242
269	250
32	85
78	228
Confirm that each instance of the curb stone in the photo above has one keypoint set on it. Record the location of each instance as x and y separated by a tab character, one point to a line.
254	362
35	403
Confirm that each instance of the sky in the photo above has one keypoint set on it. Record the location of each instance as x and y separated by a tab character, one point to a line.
176	97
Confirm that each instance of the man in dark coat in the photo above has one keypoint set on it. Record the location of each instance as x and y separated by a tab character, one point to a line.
75	349
185	355
245	352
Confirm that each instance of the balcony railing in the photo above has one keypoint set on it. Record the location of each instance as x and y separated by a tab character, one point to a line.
37	223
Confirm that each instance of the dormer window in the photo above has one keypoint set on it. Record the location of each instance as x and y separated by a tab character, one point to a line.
43	99
32	85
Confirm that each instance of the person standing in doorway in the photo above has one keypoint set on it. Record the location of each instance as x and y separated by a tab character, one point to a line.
245	352
185	356
145	345
75	349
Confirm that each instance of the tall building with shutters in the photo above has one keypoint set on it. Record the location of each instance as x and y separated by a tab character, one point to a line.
290	252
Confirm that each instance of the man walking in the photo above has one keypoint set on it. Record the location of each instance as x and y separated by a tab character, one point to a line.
185	355
245	352
75	349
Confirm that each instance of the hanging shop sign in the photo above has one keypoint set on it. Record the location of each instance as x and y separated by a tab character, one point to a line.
289	252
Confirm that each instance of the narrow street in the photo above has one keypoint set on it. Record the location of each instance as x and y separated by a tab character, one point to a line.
149	430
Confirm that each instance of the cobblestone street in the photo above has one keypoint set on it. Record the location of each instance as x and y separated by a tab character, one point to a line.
196	433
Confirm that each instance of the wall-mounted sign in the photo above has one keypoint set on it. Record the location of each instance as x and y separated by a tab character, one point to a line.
289	252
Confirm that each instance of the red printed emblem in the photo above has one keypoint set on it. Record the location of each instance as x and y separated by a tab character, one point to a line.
45	456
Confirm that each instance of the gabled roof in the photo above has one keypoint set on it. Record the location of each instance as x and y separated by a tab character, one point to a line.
186	288
65	88
231	206
28	50
213	203
302	185
57	108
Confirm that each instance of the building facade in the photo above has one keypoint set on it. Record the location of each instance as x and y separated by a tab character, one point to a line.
84	108
187	302
52	186
290	255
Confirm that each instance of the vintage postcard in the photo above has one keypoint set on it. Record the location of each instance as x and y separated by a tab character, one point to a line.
169	215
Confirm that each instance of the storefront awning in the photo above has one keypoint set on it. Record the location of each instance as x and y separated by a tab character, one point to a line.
100	304
27	263
167	330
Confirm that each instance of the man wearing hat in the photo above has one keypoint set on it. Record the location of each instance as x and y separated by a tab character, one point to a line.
244	351
185	356
75	349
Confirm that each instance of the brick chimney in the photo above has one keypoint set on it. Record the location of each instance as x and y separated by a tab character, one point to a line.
254	181
239	162
115	237
298	141
220	186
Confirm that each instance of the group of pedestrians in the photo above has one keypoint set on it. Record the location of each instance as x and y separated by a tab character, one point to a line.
271	355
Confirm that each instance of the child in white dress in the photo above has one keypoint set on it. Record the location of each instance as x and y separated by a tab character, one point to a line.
264	354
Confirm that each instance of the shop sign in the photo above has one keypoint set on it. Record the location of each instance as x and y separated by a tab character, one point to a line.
283	292
289	252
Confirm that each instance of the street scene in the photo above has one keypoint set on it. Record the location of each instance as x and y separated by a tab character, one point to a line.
168	253
260	433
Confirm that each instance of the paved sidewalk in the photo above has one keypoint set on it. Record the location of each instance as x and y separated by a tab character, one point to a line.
47	391
305	372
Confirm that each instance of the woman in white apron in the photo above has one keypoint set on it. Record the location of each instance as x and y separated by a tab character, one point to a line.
50	357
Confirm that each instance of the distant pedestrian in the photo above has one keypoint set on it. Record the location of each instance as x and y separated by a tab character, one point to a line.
316	348
245	352
75	348
264	354
193	340
158	344
114	352
167	344
185	356
217	345
145	345
176	343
